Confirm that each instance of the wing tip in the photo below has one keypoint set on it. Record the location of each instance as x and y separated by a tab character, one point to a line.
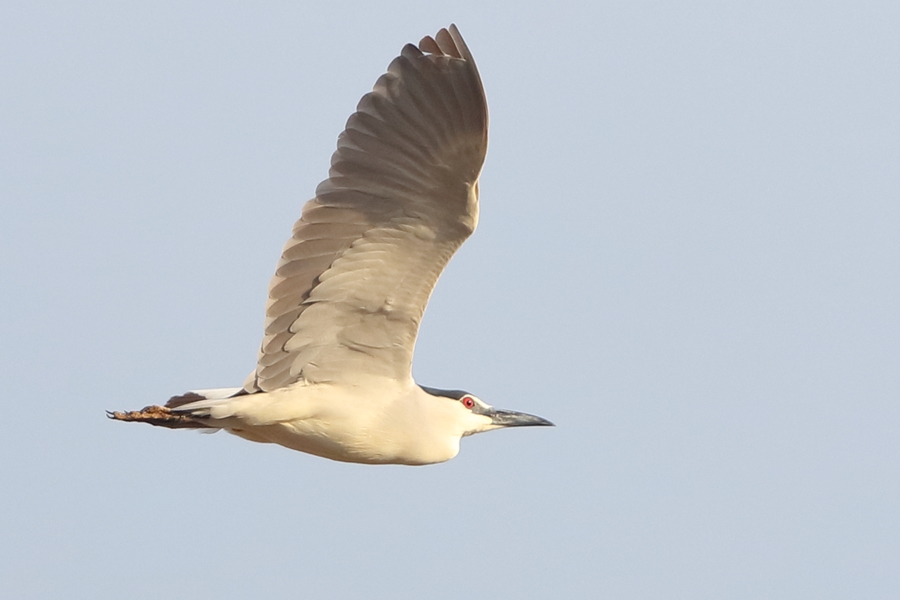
446	42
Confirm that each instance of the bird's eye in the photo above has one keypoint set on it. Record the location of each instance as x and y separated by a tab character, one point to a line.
468	402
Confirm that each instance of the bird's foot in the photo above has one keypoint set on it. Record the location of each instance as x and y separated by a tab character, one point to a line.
159	416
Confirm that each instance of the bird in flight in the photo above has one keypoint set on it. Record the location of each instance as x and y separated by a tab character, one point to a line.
334	372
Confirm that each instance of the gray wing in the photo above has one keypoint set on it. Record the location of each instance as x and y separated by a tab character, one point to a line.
402	195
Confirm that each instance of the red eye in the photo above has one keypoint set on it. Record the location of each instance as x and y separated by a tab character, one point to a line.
468	402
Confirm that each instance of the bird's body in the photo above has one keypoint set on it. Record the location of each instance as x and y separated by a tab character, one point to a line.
333	376
381	422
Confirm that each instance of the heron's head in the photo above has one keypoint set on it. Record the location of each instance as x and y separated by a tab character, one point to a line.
474	416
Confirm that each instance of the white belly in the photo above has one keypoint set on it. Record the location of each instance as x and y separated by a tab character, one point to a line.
382	424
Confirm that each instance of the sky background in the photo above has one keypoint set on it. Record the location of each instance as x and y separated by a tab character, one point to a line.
688	258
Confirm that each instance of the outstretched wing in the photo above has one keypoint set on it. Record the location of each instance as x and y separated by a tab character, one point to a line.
402	195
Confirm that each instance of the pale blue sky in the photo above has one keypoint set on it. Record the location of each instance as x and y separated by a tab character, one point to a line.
688	258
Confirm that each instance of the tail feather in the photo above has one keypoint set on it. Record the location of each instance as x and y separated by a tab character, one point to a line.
178	401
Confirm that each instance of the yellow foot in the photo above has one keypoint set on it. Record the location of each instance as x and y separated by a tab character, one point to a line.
160	416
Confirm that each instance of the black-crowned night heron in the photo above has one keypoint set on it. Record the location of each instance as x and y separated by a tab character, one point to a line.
334	374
